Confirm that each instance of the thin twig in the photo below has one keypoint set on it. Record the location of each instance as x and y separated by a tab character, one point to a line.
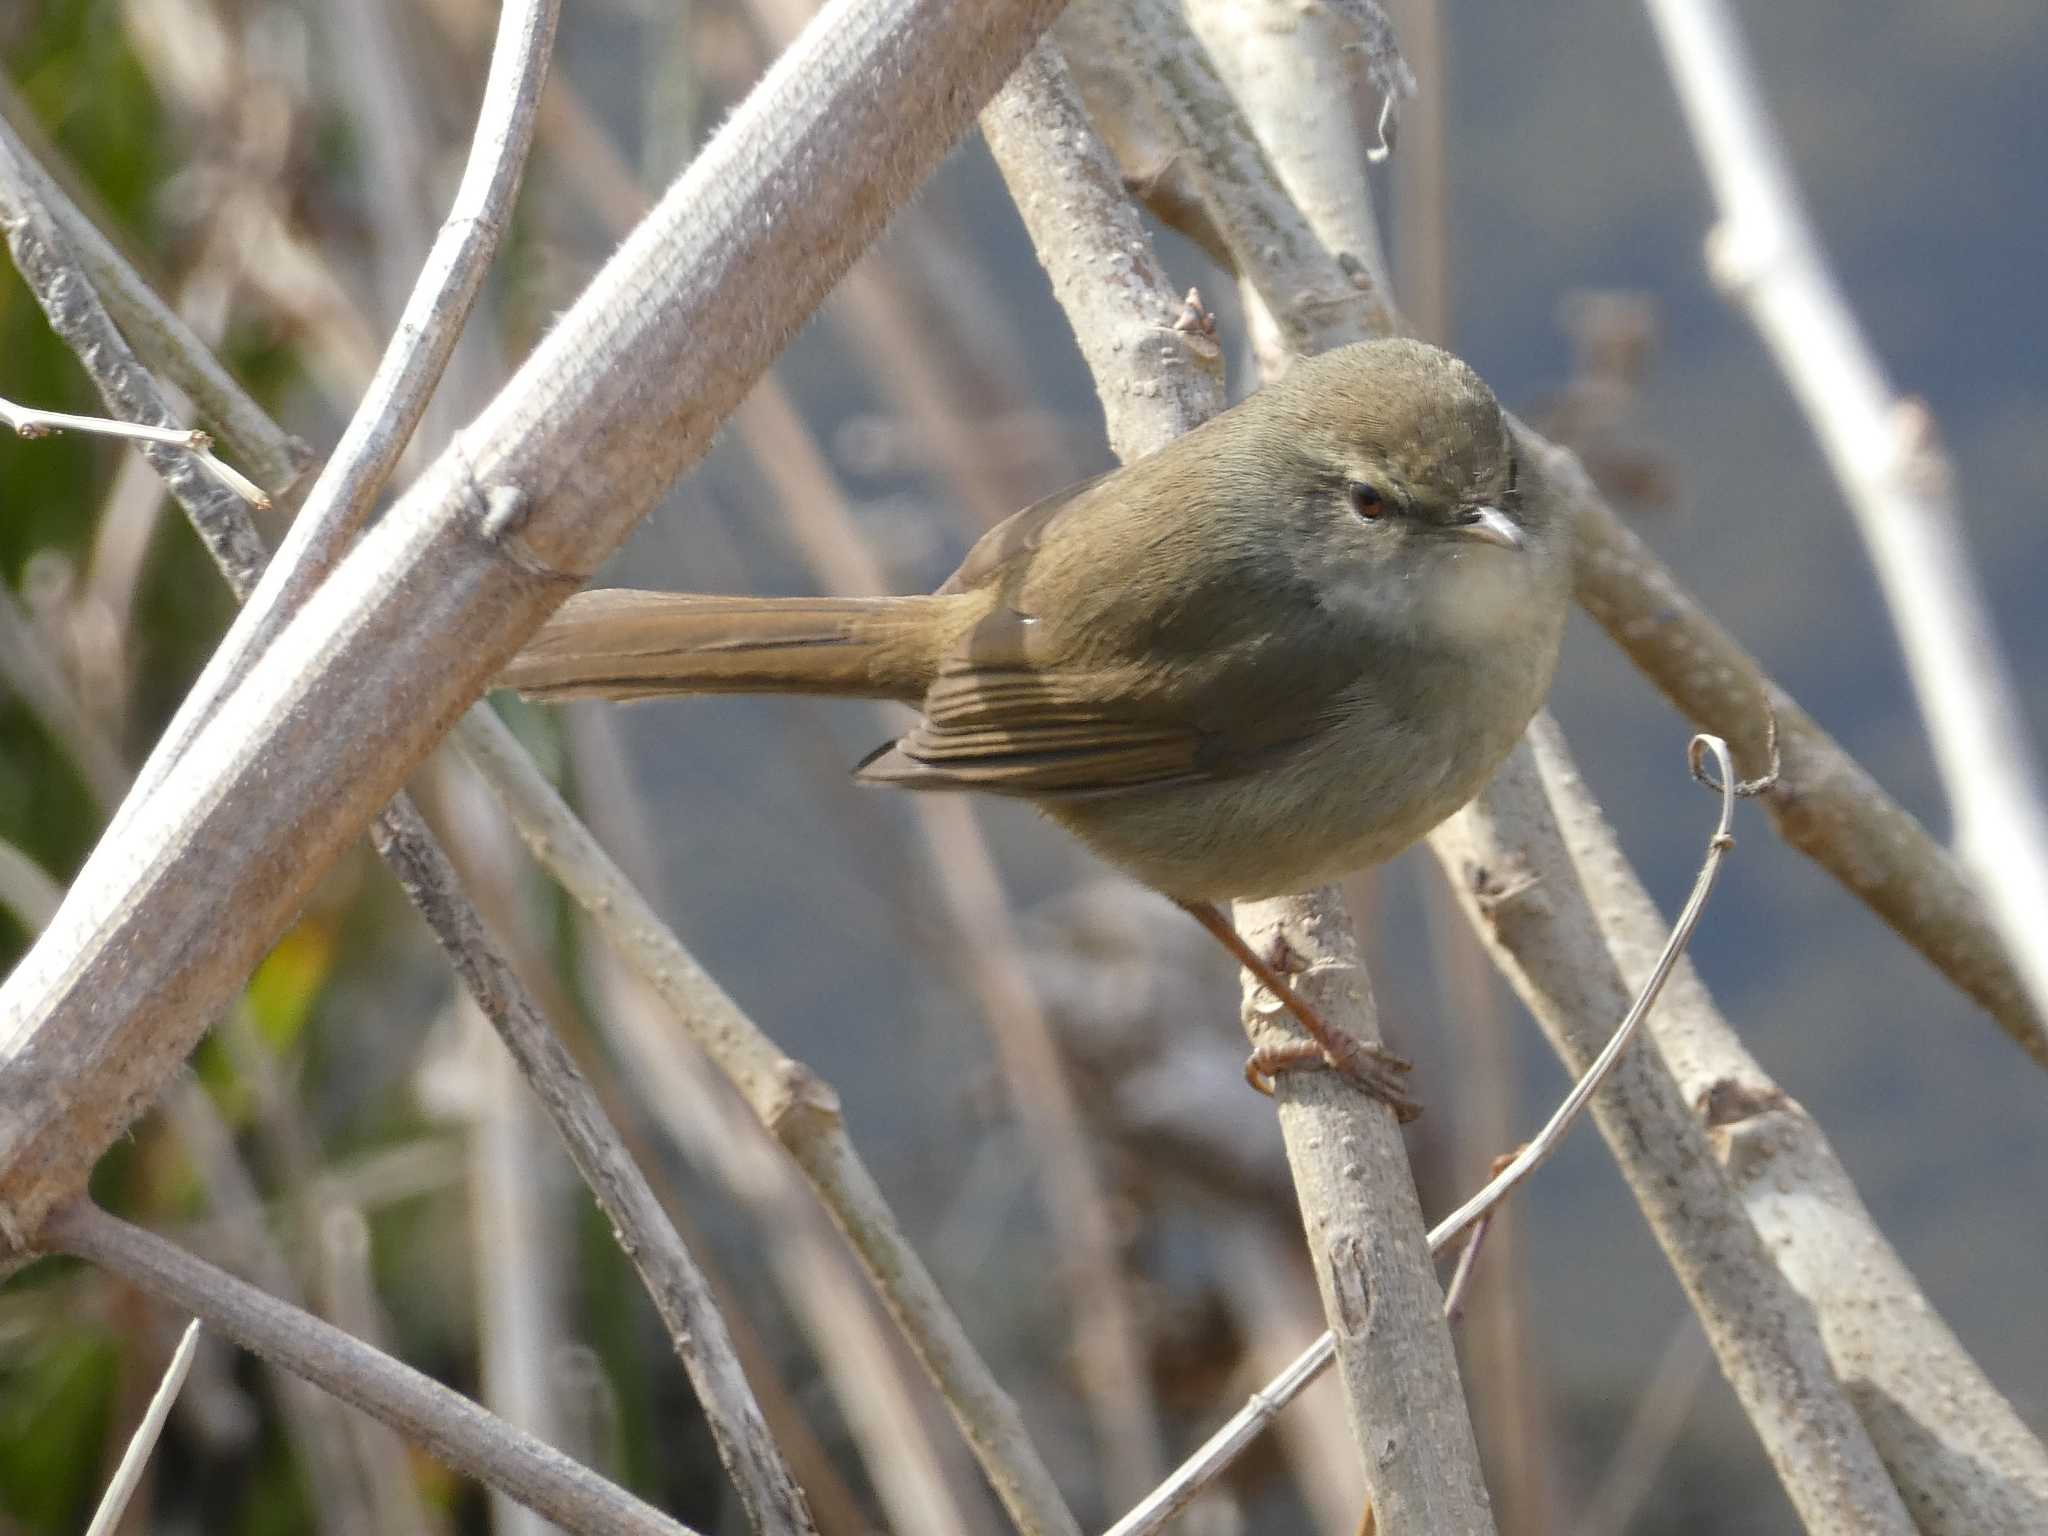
1889	463
128	1475
154	328
444	1423
28	422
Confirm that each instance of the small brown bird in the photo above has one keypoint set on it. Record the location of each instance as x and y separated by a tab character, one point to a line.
1282	648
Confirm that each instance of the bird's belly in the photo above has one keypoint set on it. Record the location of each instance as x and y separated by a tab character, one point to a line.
1322	814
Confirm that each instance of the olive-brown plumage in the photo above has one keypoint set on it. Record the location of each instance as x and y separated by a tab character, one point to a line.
1283	647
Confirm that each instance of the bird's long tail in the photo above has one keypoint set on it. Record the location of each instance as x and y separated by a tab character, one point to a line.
635	645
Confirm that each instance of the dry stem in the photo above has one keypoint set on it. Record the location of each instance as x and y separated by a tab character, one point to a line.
1888	461
442	1422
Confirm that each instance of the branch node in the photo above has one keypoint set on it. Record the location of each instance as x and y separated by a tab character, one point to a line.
801	1106
1739	256
1729	1101
501	511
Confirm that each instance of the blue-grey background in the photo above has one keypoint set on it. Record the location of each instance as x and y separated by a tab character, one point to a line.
1917	135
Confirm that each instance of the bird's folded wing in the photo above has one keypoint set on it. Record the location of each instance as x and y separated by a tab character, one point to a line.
1037	735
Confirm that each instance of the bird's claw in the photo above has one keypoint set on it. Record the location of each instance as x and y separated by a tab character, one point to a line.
1372	1069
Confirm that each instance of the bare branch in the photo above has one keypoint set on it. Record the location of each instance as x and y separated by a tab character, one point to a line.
1889	464
445	1423
1351	1172
440	593
674	1282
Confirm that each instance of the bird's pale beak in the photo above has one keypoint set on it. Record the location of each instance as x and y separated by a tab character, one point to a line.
1489	525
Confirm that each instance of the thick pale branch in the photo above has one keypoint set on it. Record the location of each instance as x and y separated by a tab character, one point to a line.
986	1414
161	928
677	1287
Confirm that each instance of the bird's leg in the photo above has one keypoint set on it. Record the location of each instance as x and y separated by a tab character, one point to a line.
1373	1068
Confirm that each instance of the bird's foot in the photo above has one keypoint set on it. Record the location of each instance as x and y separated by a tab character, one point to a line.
1373	1069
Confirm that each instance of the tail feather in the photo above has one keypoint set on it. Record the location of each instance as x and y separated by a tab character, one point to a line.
634	645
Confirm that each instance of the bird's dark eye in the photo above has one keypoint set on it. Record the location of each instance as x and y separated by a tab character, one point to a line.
1366	500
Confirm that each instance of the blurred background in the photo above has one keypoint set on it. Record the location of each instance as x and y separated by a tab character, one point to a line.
277	168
